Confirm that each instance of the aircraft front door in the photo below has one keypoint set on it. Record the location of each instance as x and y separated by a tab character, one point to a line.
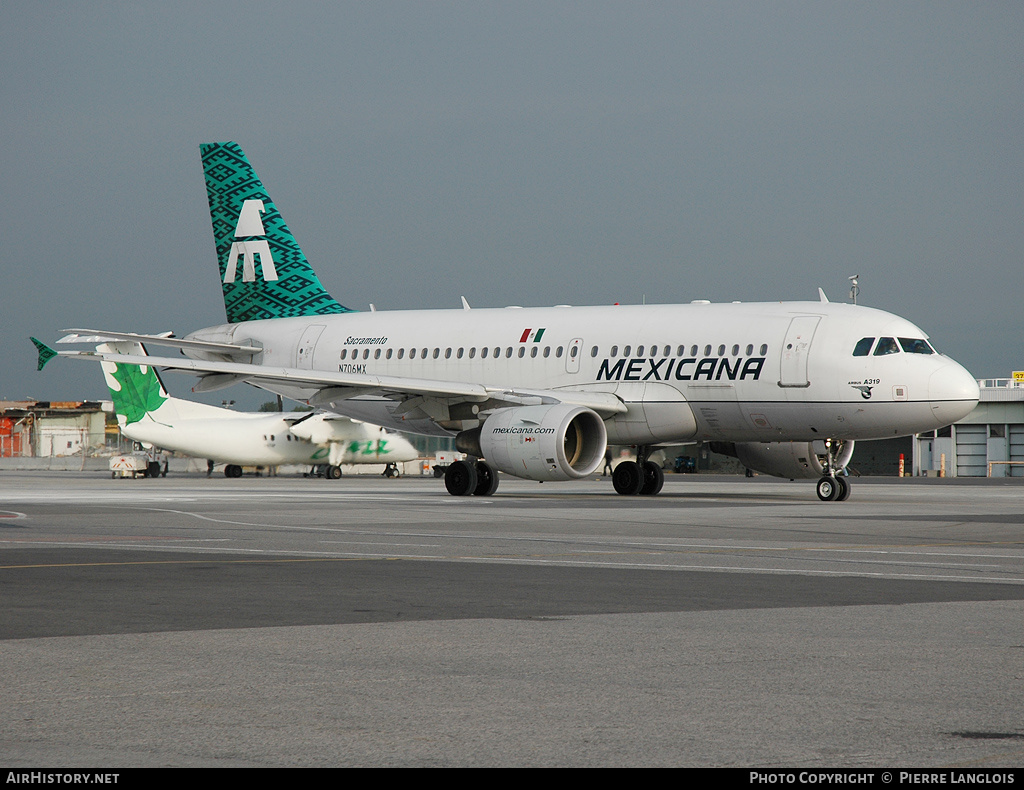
796	349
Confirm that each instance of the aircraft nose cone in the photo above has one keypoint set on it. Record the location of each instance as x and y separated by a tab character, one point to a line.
953	393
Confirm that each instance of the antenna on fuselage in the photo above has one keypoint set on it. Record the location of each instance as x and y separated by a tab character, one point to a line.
854	287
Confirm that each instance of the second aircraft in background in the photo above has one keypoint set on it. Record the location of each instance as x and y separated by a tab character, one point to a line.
147	414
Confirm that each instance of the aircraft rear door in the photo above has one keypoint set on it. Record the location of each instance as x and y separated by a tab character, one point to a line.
307	344
796	349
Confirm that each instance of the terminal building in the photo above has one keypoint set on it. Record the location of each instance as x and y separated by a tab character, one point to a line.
44	429
989	442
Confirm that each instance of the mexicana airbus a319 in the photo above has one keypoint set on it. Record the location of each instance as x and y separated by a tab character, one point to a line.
539	393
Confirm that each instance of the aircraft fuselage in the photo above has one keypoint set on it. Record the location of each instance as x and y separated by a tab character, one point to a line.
265	440
740	372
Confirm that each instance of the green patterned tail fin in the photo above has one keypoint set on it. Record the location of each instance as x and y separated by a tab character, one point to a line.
263	272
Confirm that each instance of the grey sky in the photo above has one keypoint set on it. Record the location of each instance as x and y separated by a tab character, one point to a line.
516	153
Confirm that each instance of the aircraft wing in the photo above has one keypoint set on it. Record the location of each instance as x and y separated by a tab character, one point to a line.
94	336
325	386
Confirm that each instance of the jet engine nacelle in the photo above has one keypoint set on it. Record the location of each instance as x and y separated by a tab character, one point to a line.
784	459
554	442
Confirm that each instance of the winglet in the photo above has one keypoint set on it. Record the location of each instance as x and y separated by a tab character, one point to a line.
821	295
45	353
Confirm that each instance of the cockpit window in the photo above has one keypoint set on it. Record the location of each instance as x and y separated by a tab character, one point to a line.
863	347
886	345
913	345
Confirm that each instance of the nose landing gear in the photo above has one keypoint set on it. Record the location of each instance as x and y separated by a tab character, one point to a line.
833	487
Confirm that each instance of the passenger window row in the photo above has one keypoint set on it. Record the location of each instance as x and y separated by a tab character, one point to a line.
535	351
459	353
653	351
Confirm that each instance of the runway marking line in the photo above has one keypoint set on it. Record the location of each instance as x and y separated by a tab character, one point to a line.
119	539
194	562
535	561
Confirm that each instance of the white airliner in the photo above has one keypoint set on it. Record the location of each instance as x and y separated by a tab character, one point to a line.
538	393
146	413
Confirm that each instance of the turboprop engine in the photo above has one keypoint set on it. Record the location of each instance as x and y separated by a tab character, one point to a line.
784	459
547	442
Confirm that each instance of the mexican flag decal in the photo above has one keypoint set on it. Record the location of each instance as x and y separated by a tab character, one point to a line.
531	335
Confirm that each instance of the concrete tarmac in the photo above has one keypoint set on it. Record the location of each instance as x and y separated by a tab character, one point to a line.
369	622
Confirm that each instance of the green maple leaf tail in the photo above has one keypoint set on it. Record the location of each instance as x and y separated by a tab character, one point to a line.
140	392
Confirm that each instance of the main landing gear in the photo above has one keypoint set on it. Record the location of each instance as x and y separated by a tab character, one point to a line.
640	477
476	478
328	471
833	487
